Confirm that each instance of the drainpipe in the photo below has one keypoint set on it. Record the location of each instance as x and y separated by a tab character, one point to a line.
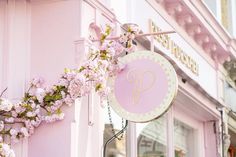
222	130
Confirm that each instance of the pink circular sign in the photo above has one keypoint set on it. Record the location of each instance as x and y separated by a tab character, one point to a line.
145	89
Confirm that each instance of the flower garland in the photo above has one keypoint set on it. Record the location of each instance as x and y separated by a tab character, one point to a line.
42	104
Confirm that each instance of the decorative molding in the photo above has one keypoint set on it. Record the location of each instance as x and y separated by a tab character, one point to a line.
173	7
184	18
102	8
209	47
201	38
193	29
197	27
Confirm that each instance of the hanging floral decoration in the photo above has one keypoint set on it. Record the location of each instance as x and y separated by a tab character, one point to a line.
42	104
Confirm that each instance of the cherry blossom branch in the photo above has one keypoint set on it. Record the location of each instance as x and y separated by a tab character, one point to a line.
3	92
101	62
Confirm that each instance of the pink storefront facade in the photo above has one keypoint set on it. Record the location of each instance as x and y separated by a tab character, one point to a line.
42	37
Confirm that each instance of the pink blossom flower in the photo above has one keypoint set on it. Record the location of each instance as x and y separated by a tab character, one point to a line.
63	82
18	108
37	82
40	94
54	117
75	86
30	114
13	132
118	48
68	100
9	119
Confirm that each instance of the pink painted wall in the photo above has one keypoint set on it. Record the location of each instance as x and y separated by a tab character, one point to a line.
210	134
54	28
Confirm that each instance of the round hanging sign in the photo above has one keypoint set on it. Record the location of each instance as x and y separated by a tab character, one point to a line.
145	88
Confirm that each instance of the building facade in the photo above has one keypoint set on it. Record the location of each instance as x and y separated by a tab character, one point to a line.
42	37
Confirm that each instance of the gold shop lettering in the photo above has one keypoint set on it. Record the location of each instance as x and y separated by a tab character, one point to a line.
170	45
137	78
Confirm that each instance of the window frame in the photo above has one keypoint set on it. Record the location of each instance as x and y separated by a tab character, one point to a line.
172	114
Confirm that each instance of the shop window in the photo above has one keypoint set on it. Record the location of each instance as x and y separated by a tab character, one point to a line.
230	96
223	11
183	140
151	140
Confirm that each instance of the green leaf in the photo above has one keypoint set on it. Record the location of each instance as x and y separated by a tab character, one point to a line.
81	68
98	86
67	70
58	111
48	98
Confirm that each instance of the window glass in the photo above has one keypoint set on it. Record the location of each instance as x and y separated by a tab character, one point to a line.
222	9
212	6
117	148
183	140
151	138
230	96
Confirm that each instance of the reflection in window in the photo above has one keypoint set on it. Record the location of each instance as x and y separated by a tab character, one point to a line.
152	138
183	140
116	148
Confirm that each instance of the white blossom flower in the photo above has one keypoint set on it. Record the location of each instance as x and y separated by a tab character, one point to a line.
37	82
5	105
30	114
13	132
24	131
40	94
18	108
6	151
1	125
